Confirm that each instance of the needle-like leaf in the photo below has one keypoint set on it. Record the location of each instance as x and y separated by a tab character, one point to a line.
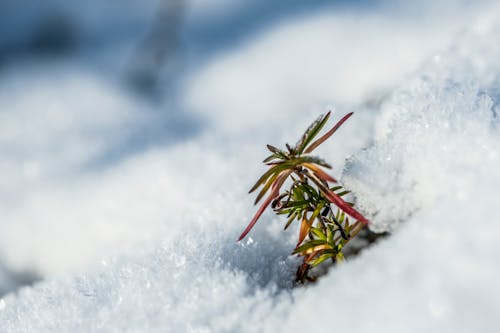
328	134
309	245
274	194
275	150
272	170
257	215
318	233
266	187
321	258
320	173
307	224
338	201
304	229
311	133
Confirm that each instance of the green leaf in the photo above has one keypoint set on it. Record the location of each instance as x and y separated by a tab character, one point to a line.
298	194
275	150
316	212
327	134
312	193
294	204
309	245
311	132
290	220
314	160
318	233
271	157
342	217
320	259
347	227
307	224
329	235
275	169
266	187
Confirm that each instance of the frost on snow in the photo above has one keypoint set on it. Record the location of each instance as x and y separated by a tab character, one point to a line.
430	175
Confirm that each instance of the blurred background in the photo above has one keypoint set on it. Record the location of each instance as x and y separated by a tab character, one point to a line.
108	108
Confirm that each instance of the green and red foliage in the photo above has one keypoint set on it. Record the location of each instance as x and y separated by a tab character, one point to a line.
323	214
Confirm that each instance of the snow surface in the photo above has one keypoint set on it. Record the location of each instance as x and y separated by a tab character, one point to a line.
152	233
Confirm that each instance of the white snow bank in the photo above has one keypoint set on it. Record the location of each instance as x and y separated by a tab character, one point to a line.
435	137
437	273
198	283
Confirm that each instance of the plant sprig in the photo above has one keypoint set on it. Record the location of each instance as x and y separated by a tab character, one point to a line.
320	209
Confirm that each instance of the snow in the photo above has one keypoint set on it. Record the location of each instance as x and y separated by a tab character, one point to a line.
435	136
321	64
142	238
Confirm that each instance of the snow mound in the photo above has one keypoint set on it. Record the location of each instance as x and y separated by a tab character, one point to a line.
434	164
202	283
436	137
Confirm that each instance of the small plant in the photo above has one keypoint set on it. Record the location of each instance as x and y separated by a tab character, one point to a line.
325	227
